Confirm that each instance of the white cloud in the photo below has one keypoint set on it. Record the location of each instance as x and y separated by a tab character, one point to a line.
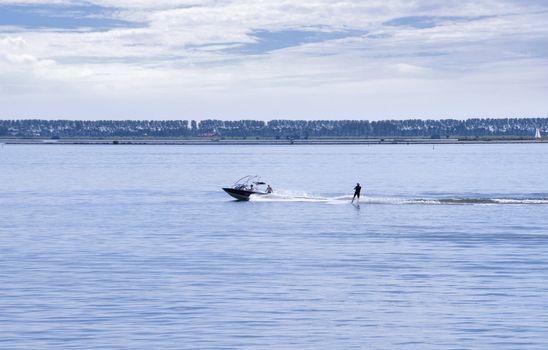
177	65
10	42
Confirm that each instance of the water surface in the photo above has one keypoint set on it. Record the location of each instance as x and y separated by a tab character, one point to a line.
136	247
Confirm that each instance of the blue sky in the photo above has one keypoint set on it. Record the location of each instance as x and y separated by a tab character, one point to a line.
62	17
239	59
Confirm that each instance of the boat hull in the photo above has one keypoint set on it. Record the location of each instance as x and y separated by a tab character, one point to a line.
241	195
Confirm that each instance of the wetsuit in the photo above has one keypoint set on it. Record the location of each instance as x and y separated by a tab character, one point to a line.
357	191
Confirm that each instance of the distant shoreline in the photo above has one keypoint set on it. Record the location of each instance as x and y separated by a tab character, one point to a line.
242	142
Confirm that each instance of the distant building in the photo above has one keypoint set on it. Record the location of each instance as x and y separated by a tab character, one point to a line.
537	134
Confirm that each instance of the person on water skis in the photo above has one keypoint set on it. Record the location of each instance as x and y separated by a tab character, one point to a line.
357	191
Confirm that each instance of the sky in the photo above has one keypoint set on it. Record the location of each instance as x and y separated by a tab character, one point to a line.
273	59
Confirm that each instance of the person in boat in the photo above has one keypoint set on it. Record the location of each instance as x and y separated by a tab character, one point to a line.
269	189
251	188
357	191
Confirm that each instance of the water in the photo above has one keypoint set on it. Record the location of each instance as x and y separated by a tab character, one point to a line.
136	247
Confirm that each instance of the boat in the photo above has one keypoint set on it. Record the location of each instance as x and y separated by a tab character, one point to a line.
247	186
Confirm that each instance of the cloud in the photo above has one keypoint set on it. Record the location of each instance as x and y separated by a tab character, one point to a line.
329	54
17	41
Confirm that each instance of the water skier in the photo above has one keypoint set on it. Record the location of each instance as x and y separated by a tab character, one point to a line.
357	191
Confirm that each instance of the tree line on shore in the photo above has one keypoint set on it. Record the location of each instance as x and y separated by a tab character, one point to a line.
295	129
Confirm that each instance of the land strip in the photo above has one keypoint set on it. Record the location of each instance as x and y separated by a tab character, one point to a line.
327	141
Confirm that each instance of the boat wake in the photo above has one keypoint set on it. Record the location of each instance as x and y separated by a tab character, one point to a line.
289	196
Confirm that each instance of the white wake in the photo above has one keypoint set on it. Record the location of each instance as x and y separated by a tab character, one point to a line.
296	196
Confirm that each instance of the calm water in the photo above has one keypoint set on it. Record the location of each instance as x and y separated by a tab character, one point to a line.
136	247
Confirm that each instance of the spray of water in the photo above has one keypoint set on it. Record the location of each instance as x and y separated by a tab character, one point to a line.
296	196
